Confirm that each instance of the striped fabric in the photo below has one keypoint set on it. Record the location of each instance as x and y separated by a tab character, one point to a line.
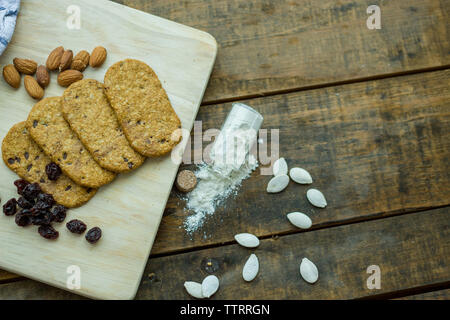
8	14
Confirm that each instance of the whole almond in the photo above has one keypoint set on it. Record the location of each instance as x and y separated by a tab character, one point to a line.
11	75
66	78
25	66
42	76
98	56
54	58
33	88
84	56
66	60
78	65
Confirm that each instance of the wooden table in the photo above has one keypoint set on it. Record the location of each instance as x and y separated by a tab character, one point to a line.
367	112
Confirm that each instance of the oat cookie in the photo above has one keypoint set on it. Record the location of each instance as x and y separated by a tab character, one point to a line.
23	156
88	112
142	107
52	133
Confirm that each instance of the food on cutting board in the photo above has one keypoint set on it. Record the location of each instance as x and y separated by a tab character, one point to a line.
142	107
23	156
52	133
87	110
11	76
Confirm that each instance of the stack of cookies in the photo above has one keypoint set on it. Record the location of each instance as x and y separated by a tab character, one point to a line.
93	132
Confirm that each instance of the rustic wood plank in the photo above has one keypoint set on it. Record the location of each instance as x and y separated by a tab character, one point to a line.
411	251
6	276
268	47
433	295
375	149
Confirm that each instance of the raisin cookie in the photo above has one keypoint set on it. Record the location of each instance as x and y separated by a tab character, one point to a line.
23	156
142	107
88	112
51	132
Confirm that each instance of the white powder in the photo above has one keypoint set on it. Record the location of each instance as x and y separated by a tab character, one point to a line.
231	163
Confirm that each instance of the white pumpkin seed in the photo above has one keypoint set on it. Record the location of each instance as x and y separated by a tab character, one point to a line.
194	289
278	183
316	198
210	285
300	220
308	271
251	268
247	240
300	175
280	167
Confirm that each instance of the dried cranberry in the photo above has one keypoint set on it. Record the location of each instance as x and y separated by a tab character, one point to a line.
40	218
23	219
46	198
48	232
10	207
59	213
93	235
31	191
24	203
76	226
21	184
53	171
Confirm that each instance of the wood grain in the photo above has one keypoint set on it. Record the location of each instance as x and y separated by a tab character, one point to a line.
374	149
128	210
405	248
267	46
433	295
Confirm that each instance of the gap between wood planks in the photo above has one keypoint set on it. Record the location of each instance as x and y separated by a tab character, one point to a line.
325	85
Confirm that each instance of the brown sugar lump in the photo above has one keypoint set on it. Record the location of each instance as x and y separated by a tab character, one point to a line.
52	133
142	107
23	156
88	112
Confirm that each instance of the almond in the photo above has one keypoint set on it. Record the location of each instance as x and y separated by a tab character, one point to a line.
78	65
25	66
98	56
54	58
42	76
66	60
66	78
11	75
33	88
84	56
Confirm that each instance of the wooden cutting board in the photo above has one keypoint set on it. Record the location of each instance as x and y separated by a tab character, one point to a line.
130	209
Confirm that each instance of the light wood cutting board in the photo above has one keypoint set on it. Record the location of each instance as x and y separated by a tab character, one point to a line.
130	209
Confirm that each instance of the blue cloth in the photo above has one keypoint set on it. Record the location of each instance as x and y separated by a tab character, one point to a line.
8	15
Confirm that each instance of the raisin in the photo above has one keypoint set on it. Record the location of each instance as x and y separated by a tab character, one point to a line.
59	213
10	160
22	219
93	235
24	203
21	184
53	171
76	226
31	191
10	207
46	198
35	123
48	232
40	218
41	206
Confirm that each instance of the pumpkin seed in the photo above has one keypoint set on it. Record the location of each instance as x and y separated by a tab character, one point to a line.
280	167
308	271
278	183
300	175
300	220
247	240
251	268
210	285
316	198
194	289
